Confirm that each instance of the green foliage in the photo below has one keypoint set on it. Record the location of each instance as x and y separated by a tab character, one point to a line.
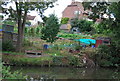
9	22
20	60
107	56
6	74
26	30
108	26
44	19
37	30
7	46
26	42
66	60
74	61
56	47
33	31
57	60
74	22
64	20
105	63
26	6
83	25
51	29
98	8
115	24
103	27
78	46
13	53
20	14
99	35
74	36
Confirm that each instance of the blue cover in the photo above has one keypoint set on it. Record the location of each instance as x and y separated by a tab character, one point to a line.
86	41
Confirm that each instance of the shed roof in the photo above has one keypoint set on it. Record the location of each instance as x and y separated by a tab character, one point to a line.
29	17
65	26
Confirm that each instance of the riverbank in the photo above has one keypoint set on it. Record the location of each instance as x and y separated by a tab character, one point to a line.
48	60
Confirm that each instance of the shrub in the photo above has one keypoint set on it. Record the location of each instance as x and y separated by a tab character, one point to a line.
78	47
66	60
105	63
107	56
51	29
56	47
6	74
7	46
57	60
26	30
27	43
64	20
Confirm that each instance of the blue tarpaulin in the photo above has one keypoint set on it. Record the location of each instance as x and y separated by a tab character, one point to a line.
1	30
86	41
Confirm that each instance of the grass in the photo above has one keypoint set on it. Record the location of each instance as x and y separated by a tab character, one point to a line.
13	53
50	60
57	55
73	36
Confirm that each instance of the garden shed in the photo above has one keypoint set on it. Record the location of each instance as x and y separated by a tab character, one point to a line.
102	41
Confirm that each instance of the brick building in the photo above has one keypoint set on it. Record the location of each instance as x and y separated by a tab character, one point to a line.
75	9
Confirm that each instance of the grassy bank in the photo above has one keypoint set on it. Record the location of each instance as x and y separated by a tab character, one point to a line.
22	60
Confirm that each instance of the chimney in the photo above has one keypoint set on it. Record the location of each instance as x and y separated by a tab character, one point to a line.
73	0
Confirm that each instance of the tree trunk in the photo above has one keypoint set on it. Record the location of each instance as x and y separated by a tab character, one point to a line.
21	25
19	39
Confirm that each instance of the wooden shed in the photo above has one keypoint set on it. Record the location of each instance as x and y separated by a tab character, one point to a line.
102	41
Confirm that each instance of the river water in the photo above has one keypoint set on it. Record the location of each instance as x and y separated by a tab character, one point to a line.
69	73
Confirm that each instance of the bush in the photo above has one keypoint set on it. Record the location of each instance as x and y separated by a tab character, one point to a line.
64	20
56	47
78	47
51	29
7	46
107	56
66	60
21	60
27	43
105	63
57	60
6	74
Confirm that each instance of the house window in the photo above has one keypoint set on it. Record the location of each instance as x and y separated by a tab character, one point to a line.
106	42
77	12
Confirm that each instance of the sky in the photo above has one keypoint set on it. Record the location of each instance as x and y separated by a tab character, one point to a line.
60	5
58	8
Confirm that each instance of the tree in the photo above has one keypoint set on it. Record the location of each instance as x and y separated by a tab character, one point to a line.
51	29
109	24
83	25
97	8
74	22
20	13
64	20
102	28
112	24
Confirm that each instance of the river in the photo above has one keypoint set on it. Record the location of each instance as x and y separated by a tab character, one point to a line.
69	73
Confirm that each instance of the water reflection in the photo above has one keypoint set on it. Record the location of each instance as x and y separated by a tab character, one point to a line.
45	73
